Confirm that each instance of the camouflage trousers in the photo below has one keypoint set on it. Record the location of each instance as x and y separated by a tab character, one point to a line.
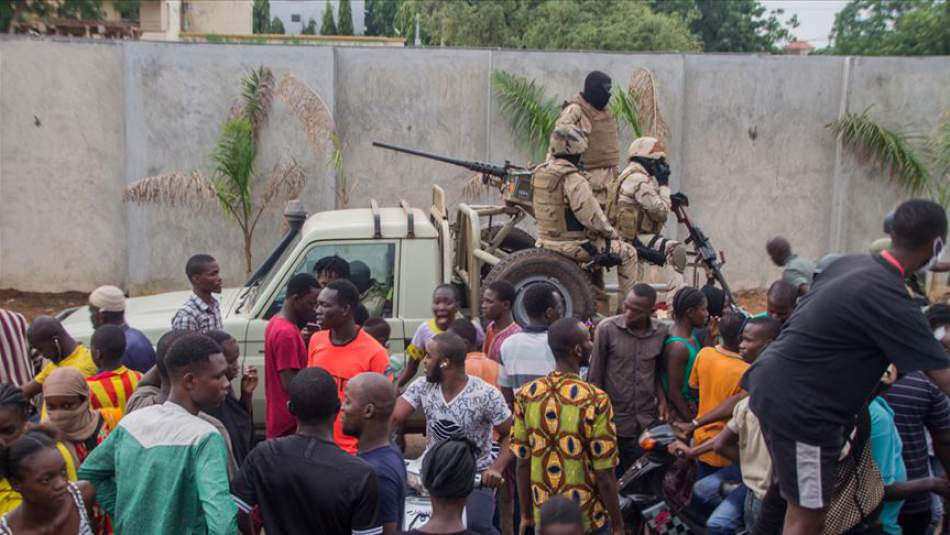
626	271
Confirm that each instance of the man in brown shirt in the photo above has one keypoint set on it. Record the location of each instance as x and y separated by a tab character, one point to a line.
625	364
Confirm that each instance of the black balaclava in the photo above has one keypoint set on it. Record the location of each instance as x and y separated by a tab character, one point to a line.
597	89
658	169
573	158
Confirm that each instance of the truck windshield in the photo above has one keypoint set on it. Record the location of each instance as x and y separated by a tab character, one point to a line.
248	300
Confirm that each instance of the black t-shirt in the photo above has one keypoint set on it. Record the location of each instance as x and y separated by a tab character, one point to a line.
417	532
240	426
307	485
834	349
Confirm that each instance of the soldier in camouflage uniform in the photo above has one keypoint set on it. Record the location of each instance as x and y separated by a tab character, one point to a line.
639	204
588	111
570	221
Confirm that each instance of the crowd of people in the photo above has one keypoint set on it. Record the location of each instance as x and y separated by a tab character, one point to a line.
827	413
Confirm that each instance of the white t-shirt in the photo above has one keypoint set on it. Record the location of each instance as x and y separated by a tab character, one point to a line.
753	453
472	413
525	356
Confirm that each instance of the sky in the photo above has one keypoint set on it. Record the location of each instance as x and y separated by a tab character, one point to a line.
816	17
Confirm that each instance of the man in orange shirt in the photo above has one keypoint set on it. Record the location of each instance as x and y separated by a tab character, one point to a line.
476	362
342	348
113	385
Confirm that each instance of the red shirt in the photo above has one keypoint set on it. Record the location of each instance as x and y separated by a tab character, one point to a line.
363	354
493	340
283	350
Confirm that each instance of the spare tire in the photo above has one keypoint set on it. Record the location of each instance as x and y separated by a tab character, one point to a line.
516	240
532	266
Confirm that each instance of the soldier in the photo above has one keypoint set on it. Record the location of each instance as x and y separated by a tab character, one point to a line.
588	111
570	221
639	204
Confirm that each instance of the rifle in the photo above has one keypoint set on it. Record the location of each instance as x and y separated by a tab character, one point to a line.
705	251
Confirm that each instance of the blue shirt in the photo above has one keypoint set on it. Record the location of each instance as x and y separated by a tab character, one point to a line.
139	354
886	450
390	468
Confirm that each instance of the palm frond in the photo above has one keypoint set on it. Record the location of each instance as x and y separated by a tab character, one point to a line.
286	180
531	113
307	105
643	92
889	149
623	108
940	146
172	189
336	163
257	92
233	159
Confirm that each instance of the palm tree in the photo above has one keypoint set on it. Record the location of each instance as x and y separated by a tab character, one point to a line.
235	182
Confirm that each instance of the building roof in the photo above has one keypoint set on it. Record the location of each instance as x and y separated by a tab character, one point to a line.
799	45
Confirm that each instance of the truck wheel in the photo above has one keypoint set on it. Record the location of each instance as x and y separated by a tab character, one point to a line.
532	266
516	240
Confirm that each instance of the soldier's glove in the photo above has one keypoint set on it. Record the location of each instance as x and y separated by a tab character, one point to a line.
679	198
663	180
607	260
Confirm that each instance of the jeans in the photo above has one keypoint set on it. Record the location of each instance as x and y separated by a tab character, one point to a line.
751	511
725	515
480	510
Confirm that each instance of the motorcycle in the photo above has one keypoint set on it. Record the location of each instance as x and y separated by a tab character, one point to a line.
643	501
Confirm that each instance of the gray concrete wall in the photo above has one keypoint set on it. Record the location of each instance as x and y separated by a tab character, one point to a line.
748	144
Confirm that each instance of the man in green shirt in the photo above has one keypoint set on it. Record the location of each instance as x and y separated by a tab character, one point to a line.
163	469
798	271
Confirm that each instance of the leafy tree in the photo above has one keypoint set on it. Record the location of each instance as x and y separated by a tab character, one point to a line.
732	26
345	16
892	28
379	17
328	25
12	11
310	28
261	16
277	26
128	9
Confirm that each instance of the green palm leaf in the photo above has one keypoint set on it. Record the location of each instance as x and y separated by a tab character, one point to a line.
889	149
622	107
233	159
531	112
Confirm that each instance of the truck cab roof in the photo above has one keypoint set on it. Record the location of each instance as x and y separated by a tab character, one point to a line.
360	223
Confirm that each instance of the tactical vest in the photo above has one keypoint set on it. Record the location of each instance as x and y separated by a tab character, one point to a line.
627	217
555	219
603	144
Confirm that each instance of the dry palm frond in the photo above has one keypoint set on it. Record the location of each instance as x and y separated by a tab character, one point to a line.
890	149
643	90
623	108
531	113
172	189
257	90
286	180
474	187
940	146
317	120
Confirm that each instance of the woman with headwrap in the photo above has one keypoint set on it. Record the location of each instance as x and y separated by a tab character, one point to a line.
14	408
679	354
66	395
448	474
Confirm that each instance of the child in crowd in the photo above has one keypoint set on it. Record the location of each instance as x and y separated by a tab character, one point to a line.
114	383
379	329
561	515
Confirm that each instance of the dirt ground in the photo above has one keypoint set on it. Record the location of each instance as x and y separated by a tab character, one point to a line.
32	304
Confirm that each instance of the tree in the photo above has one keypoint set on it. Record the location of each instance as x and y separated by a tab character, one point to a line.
345	12
732	26
379	16
892	28
310	28
13	11
261	16
277	26
328	26
592	24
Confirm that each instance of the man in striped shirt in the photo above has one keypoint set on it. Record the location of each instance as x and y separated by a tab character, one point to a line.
16	367
114	384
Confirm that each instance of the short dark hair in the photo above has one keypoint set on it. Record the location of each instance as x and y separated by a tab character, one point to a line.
11	396
189	350
301	284
161	349
451	287
918	222
559	509
377	322
465	329
313	395
504	291
644	290
685	299
30	442
563	335
196	264
938	314
451	346
771	325
715	299
538	298
730	328
346	293
110	339
783	292
361	314
219	336
332	264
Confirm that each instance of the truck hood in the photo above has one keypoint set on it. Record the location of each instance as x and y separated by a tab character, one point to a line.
150	314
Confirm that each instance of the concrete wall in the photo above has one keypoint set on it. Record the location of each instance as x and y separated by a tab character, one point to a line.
748	144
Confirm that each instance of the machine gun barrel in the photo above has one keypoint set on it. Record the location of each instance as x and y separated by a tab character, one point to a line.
500	171
706	253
